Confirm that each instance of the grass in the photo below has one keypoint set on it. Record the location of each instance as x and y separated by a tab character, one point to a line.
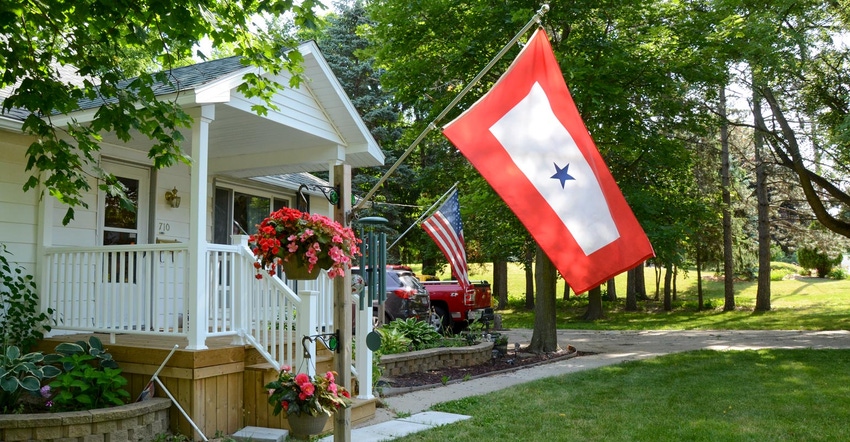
796	304
776	395
792	395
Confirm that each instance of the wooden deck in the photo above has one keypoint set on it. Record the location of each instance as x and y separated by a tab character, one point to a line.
221	387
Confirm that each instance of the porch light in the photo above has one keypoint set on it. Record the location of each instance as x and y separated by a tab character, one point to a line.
172	199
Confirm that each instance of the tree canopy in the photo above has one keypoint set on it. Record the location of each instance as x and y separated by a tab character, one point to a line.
95	40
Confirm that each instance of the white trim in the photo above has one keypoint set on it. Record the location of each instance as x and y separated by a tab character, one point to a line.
11	124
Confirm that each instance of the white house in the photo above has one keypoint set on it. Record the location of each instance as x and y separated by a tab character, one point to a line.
147	275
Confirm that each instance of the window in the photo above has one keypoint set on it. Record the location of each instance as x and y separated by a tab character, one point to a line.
239	212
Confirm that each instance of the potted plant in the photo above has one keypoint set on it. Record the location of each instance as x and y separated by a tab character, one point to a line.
303	243
306	401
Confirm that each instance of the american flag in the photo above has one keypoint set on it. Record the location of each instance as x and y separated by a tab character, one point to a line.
445	228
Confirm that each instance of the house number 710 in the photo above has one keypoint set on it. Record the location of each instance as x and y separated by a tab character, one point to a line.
164	227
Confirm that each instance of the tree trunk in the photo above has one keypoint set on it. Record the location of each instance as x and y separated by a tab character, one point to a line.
699	280
631	292
658	274
529	279
763	291
640	283
728	263
612	290
429	266
675	277
668	276
566	290
500	283
594	305
544	338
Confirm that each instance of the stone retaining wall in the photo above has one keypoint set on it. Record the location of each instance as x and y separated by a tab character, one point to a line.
140	421
434	358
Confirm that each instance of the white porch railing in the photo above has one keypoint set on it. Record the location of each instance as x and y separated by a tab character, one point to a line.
141	289
117	289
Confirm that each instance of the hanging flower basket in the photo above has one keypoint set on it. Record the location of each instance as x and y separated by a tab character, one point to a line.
304	425
296	269
303	243
306	401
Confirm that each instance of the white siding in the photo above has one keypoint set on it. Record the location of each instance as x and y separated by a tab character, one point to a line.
18	210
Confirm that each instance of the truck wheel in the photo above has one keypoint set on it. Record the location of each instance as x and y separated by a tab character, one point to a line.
443	321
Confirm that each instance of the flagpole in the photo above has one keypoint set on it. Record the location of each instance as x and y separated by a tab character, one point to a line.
433	124
424	214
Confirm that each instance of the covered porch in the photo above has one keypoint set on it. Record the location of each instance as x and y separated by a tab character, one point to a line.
173	274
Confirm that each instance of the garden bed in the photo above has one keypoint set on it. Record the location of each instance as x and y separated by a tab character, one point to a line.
139	421
435	358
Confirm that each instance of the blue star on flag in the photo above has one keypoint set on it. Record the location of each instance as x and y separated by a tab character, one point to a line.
562	174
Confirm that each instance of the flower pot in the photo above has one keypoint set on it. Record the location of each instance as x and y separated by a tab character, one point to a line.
296	269
303	426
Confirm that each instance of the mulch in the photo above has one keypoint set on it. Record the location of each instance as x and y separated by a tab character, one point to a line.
513	360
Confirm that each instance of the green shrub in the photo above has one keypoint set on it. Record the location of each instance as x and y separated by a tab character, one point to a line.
838	273
815	259
393	341
780	270
421	334
90	378
21	372
22	324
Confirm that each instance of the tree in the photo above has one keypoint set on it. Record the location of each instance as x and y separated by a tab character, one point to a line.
95	38
763	290
544	338
728	257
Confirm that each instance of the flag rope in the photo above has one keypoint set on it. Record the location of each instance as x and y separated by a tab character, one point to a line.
424	214
431	126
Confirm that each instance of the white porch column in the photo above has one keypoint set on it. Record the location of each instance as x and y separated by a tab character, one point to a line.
363	359
45	240
198	273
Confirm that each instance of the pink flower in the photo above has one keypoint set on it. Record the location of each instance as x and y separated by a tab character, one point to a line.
301	379
308	389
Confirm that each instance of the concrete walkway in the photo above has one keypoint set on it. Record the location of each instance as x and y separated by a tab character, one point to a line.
610	347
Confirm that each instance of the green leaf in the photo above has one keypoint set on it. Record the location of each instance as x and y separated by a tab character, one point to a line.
9	384
30	383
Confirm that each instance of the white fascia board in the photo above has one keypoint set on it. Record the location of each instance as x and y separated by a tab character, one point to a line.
183	98
219	90
11	124
310	47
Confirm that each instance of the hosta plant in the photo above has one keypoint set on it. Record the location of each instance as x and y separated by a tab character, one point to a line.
21	373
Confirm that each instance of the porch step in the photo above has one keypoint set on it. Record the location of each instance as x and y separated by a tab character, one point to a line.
362	410
261	434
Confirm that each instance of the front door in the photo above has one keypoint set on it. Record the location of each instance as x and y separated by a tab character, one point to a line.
125	269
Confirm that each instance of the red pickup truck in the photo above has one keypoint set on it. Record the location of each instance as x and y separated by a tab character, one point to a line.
455	307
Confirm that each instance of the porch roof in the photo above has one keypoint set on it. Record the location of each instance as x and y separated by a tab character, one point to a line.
315	125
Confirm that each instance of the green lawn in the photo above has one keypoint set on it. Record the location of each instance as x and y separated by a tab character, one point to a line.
766	395
797	304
